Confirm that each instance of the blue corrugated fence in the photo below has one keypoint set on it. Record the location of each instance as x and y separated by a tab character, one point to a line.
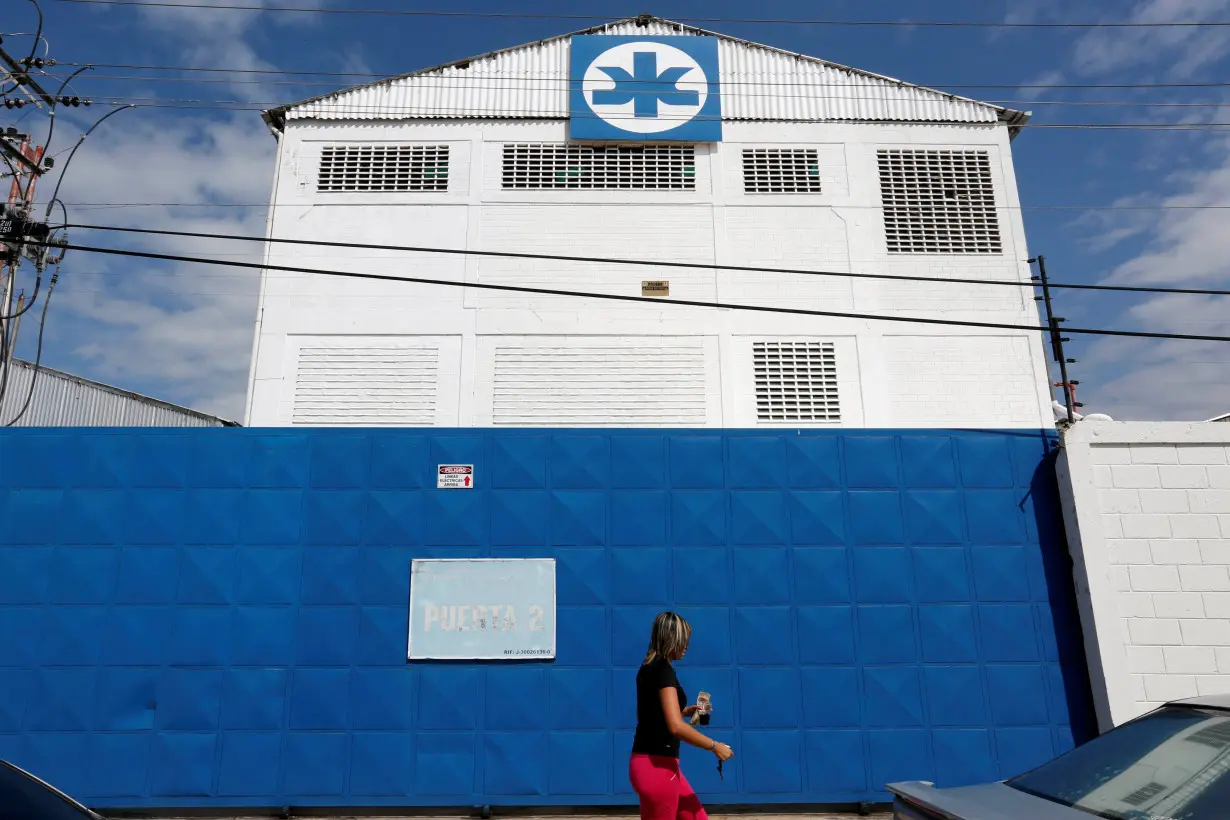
218	617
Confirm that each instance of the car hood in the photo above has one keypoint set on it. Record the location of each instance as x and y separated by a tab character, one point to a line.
989	801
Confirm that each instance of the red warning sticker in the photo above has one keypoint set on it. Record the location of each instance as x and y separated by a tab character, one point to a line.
455	477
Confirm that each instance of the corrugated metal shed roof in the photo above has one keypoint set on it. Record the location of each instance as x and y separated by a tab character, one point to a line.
62	400
759	82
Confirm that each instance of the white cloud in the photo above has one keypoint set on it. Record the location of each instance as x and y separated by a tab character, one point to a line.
1176	246
1180	52
181	330
182	326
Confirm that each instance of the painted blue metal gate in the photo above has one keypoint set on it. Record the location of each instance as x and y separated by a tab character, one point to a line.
218	617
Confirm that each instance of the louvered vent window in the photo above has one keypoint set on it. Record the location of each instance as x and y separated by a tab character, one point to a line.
938	202
383	168
1143	794
796	381
657	384
781	171
558	166
366	386
1216	735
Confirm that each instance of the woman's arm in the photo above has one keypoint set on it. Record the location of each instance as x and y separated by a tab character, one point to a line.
684	731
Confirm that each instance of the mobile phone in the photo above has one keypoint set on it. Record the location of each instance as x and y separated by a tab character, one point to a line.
705	708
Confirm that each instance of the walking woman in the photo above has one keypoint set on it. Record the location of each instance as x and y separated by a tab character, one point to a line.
660	725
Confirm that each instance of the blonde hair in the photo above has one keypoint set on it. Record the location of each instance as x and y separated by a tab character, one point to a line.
669	637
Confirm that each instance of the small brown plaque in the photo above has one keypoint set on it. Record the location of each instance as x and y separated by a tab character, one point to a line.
656	287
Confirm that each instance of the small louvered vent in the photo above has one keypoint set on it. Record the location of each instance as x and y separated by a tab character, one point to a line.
366	386
1216	735
938	202
1143	794
781	171
383	168
558	166
796	381
650	385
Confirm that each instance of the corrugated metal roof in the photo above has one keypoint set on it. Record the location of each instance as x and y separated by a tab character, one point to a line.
61	400
758	83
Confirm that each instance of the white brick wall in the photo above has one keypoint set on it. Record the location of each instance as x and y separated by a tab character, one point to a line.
1147	510
909	375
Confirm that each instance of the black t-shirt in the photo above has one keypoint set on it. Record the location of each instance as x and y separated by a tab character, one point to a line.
653	736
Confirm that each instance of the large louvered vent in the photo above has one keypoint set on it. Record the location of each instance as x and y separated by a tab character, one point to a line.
558	166
938	202
369	386
796	381
383	168
655	385
781	171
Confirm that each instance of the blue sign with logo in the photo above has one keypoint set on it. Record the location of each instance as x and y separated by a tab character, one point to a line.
482	609
644	88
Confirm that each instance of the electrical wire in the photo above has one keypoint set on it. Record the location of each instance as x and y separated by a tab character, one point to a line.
892	277
459	78
106	98
51	114
1139	334
378	77
556	16
38	35
38	358
38	281
85	206
428	112
55	194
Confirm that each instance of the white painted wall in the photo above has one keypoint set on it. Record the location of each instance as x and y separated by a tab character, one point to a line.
1147	513
891	374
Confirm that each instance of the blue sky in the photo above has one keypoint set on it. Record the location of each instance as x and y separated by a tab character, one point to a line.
183	333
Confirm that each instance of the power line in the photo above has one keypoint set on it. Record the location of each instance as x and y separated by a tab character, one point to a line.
110	205
1141	334
550	83
872	99
641	262
548	76
772	21
431	112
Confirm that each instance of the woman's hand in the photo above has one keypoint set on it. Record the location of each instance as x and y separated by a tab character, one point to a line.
688	711
723	752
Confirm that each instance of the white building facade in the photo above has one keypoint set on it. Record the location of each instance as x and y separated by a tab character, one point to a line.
818	170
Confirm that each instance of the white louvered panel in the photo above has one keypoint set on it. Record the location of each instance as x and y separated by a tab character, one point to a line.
599	386
383	168
796	381
366	386
938	201
556	166
781	171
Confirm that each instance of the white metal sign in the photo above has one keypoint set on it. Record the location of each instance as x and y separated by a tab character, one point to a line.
455	477
482	609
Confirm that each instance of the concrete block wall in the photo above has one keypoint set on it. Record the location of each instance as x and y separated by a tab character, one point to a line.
1147	509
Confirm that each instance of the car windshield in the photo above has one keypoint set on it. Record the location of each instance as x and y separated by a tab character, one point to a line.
1169	765
22	797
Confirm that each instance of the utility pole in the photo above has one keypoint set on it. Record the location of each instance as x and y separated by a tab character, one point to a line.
24	236
1053	322
15	225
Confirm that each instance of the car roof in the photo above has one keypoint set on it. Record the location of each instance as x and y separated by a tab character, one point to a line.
1206	701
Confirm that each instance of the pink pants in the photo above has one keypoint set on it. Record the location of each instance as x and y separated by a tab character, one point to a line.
663	791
